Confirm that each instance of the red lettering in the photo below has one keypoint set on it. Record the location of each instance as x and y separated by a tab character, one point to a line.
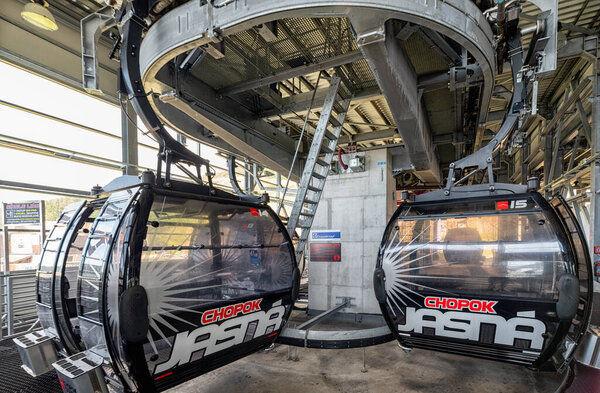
219	314
234	310
429	300
208	317
238	309
488	306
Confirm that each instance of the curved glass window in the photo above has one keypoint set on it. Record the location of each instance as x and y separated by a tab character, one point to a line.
46	268
515	253
65	279
93	266
201	252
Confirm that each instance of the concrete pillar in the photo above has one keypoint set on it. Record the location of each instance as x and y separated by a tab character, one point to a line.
359	205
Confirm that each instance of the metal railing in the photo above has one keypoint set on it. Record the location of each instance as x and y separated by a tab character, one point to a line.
17	303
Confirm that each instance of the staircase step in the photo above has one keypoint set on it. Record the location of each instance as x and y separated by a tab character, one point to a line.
315	189
307	214
334	121
318	175
330	135
326	149
306	200
322	162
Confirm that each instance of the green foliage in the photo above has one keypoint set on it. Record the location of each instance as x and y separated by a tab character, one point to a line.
55	206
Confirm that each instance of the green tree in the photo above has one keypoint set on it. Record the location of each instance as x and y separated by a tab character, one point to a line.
55	206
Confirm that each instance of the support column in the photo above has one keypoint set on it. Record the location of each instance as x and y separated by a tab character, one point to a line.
524	163
129	139
595	173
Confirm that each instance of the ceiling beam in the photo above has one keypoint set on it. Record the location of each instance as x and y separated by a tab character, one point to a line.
441	45
372	136
331	62
231	122
569	102
397	79
301	102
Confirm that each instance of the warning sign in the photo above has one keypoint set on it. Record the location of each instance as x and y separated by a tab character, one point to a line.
22	213
325	252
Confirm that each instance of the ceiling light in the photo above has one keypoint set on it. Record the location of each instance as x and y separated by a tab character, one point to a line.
37	14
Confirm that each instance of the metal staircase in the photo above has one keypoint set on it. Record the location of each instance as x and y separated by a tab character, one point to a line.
318	163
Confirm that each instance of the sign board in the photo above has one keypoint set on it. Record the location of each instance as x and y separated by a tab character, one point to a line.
327	235
325	252
326	246
22	213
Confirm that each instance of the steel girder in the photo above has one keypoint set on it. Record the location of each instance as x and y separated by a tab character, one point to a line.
398	81
192	24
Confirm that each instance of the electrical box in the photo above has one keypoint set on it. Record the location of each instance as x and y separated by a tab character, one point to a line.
354	161
81	373
357	164
37	352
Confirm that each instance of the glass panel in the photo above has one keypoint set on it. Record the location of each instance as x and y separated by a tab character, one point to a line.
46	268
516	255
73	258
208	252
45	316
54	241
114	288
93	265
31	91
44	284
65	282
581	251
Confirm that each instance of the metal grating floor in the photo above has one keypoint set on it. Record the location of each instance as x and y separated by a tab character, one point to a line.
13	379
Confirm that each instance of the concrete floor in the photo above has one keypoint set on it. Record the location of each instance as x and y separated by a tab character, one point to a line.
389	369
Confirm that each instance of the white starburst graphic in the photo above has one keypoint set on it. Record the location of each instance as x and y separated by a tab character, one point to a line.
169	283
397	258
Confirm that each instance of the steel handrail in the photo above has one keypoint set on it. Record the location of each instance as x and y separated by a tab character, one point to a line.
17	303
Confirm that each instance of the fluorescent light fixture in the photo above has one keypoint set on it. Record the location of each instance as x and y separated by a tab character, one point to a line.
37	14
